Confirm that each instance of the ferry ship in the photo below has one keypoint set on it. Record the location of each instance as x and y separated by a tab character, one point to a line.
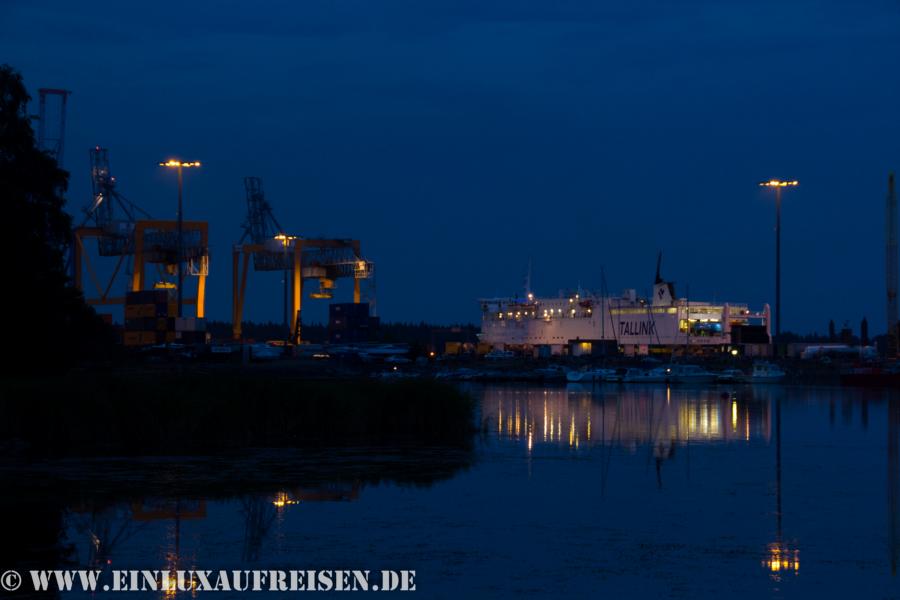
584	323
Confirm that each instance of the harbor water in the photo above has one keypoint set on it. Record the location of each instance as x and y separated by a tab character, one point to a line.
594	491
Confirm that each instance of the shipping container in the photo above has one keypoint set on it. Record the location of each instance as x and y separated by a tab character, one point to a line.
190	324
138	311
140	324
351	323
147	297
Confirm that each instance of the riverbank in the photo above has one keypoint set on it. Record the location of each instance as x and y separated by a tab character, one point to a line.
520	369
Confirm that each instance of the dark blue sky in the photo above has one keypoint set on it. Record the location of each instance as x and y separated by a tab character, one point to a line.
457	139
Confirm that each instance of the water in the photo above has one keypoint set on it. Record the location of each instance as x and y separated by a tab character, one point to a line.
763	492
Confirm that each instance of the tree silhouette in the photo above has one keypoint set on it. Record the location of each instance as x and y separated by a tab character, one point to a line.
46	318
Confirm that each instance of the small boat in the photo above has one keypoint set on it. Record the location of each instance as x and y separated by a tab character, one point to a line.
690	374
631	375
766	372
577	376
614	376
397	360
588	375
656	375
731	376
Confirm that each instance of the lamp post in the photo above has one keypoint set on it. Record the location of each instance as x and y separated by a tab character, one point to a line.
777	184
287	242
180	165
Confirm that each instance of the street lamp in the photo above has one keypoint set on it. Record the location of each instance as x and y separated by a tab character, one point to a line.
778	185
178	164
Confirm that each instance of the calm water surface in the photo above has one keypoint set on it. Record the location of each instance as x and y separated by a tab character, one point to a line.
605	492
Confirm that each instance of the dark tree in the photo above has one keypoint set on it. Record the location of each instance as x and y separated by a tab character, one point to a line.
832	336
44	317
864	332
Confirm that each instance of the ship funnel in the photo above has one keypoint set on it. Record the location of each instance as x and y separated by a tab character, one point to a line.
663	291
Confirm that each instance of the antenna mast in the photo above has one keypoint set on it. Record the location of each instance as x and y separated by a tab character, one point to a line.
891	260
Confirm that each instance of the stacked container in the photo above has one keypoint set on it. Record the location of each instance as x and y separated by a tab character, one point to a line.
351	323
190	330
150	319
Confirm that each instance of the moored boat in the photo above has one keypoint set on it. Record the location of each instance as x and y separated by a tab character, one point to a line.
690	374
731	376
656	375
587	375
614	375
766	372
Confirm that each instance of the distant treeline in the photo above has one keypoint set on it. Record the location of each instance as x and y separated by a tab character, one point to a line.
844	335
422	334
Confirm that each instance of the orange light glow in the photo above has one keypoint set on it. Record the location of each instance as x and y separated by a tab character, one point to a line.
172	162
778	183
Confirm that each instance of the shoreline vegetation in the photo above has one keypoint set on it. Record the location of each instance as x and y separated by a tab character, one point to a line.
165	414
86	443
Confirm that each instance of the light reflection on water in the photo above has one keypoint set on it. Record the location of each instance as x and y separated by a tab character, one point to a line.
631	417
625	492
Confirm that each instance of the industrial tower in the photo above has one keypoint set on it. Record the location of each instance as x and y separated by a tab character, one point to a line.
53	143
891	265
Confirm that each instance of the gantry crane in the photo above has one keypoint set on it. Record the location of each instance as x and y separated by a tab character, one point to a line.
125	232
299	258
268	244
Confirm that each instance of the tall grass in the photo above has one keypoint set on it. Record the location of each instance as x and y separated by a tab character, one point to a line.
164	414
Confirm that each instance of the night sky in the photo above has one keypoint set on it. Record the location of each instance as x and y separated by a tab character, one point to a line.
459	139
